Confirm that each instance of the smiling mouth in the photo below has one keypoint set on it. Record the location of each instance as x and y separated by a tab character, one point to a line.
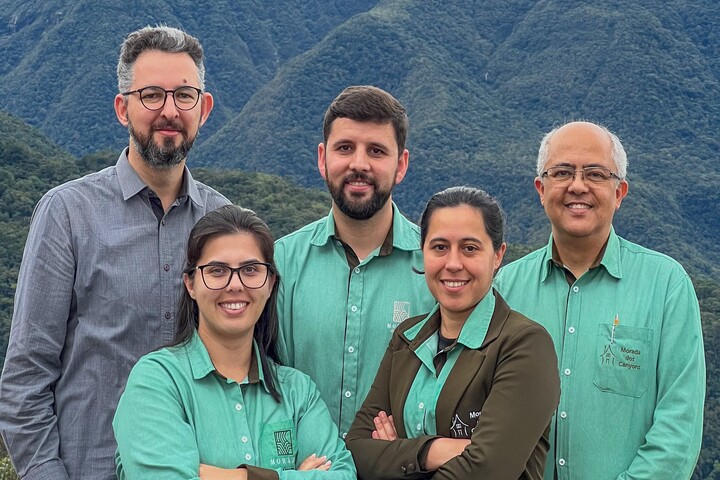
234	305
454	283
578	206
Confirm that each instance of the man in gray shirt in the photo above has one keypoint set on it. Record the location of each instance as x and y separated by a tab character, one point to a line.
102	268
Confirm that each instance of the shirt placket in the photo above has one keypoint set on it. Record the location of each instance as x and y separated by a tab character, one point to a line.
353	330
169	266
246	450
568	385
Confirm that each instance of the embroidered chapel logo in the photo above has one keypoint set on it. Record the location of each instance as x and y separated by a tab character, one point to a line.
283	442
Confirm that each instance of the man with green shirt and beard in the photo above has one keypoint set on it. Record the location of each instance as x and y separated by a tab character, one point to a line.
624	319
347	279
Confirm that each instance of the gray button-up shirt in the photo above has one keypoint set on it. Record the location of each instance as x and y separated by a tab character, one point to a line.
97	289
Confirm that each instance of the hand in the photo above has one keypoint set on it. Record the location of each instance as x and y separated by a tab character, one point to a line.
313	462
208	472
384	427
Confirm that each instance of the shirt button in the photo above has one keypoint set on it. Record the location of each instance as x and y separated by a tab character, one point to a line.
357	270
348	394
238	407
571	329
344	435
567	371
576	289
353	309
351	349
563	414
244	439
248	456
166	267
421	405
561	462
168	315
163	222
419	427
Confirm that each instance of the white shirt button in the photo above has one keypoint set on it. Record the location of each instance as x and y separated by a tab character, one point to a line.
357	270
348	394
353	309
244	439
563	414
248	456
238	407
567	371
419	427
576	289
571	329
351	349
561	462
421	405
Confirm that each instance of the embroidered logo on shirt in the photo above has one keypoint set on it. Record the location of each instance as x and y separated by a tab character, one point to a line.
283	442
459	429
401	311
608	356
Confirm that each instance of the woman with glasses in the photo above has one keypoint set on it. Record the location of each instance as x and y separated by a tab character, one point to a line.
216	404
468	390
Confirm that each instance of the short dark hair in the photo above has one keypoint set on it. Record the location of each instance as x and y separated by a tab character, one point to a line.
228	220
160	38
493	216
368	104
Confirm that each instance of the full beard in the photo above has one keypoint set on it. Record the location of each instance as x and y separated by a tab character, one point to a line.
165	156
356	209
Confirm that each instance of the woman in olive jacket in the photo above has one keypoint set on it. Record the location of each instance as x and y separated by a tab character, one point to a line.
467	391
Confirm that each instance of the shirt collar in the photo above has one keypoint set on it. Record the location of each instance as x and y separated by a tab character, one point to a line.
473	331
201	365
397	237
131	184
610	257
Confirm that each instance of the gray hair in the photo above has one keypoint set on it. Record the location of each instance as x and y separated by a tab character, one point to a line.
160	38
617	152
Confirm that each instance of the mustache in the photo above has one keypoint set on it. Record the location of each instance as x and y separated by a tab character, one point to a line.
360	177
170	125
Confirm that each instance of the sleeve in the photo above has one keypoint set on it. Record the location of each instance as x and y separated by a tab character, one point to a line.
316	433
284	344
155	440
672	445
380	459
516	414
43	303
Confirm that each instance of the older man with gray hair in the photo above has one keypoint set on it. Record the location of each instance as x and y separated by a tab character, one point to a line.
102	268
624	319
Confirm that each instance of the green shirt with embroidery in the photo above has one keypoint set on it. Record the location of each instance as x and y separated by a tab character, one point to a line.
336	322
632	368
419	410
178	412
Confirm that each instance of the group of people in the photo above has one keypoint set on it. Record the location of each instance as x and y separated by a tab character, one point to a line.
161	332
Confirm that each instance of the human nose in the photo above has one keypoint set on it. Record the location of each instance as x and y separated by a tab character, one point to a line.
235	284
169	109
453	261
578	183
360	161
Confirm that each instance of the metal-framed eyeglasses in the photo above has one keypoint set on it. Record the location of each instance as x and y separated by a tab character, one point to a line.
154	98
217	276
566	174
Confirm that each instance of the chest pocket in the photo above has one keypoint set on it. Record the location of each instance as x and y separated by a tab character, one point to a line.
278	445
623	359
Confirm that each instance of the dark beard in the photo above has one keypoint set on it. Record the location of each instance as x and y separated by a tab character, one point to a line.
357	210
161	157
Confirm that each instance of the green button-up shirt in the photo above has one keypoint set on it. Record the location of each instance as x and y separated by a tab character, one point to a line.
336	322
177	412
629	343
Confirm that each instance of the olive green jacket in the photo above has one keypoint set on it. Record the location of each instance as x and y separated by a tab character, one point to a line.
509	385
